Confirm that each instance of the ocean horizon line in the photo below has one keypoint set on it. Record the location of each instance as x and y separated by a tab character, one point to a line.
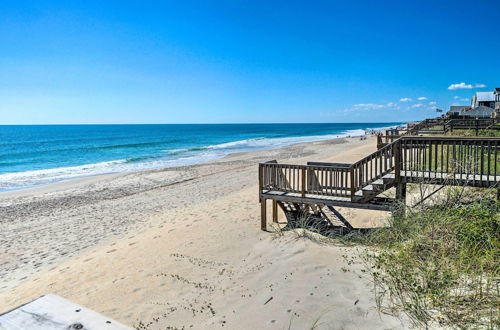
235	123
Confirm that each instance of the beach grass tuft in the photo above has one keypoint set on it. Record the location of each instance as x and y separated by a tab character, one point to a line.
439	264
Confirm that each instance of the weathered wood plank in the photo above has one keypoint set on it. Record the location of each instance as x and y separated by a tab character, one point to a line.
51	312
317	199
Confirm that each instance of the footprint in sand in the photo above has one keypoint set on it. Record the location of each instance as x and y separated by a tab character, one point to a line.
111	251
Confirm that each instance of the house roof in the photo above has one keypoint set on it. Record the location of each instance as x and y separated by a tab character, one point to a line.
485	96
459	107
497	90
479	109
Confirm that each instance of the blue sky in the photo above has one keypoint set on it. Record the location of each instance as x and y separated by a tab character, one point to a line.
242	61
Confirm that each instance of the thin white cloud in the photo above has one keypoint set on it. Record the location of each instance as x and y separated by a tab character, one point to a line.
405	99
463	85
391	104
422	98
418	105
369	106
432	103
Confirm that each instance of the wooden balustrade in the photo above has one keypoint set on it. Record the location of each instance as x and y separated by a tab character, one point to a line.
463	161
408	157
318	179
471	124
472	157
328	180
373	167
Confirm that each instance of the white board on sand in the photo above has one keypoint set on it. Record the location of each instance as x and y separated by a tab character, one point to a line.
51	312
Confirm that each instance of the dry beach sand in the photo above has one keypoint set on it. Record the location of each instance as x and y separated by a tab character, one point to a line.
181	248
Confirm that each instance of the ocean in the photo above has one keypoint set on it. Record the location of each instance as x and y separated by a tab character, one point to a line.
38	155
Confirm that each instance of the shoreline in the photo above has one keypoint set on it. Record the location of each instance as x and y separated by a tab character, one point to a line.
316	138
105	242
48	187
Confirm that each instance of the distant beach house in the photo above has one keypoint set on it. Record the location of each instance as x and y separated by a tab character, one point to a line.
483	105
496	114
456	110
485	99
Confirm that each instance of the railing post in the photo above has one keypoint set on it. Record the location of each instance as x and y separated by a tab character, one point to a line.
263	214
260	180
353	186
379	141
275	211
303	182
397	161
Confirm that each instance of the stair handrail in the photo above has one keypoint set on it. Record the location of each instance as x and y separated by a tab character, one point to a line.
360	181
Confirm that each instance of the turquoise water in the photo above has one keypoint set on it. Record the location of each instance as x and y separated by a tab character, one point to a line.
38	155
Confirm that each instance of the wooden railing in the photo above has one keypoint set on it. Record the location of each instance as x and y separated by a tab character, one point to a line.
476	157
424	124
319	179
282	177
411	156
373	167
438	126
330	180
471	124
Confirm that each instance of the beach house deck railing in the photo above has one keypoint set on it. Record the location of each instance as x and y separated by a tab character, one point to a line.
409	156
469	161
455	158
373	167
316	179
471	124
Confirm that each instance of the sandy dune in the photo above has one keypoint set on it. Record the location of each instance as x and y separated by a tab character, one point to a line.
182	248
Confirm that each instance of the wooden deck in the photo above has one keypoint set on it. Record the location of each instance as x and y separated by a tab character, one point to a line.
450	161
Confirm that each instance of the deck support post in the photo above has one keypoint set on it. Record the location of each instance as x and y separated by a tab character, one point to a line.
263	214
275	211
401	192
401	197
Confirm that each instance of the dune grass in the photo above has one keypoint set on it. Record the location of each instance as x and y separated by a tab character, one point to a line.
440	264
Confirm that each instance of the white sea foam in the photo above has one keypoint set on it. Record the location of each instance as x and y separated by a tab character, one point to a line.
27	179
273	143
21	180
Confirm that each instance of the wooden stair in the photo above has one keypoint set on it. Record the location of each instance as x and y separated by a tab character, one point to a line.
372	190
322	217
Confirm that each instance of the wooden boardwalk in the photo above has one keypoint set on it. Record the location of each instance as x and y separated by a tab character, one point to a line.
449	161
